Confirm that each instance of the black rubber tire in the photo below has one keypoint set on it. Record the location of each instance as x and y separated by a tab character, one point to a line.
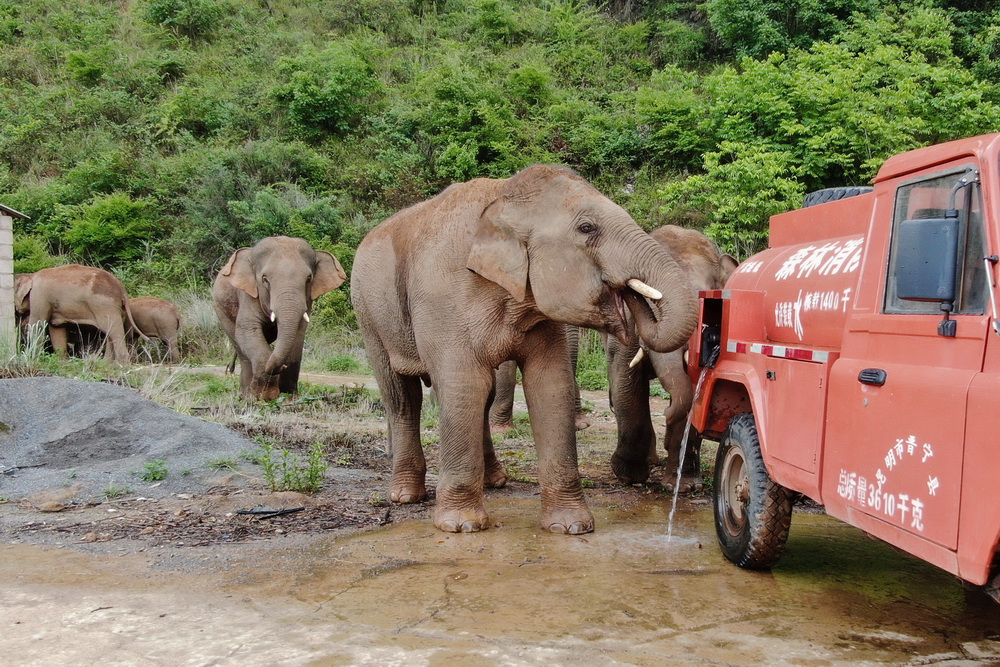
752	512
833	194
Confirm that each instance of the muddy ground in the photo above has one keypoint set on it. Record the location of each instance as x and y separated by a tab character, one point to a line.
223	576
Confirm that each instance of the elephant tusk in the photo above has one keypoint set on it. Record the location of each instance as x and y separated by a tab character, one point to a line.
644	289
273	316
637	358
305	316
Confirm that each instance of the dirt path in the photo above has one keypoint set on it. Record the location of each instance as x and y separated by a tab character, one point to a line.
348	579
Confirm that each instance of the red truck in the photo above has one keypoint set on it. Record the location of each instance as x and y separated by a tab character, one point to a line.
856	361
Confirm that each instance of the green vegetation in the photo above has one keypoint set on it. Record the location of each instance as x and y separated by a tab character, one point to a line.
112	491
285	471
157	136
154	470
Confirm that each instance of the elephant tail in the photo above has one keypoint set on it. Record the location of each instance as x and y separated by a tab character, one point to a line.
128	314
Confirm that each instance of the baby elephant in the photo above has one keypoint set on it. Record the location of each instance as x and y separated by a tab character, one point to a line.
157	318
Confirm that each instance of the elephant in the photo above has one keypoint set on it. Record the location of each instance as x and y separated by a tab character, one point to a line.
263	295
706	268
502	408
492	270
158	318
77	295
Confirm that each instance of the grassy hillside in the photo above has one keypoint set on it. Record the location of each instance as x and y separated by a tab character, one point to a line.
153	137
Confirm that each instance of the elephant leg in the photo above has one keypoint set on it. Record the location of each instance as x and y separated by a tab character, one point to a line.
548	388
573	340
173	350
288	379
501	416
402	396
60	339
116	341
464	393
494	475
629	391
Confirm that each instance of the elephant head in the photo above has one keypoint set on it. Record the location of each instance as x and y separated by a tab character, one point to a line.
284	275
22	288
552	237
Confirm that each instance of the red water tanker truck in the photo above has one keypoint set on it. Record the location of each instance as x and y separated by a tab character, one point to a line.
856	361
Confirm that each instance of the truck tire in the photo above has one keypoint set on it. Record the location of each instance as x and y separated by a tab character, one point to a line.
833	194
752	512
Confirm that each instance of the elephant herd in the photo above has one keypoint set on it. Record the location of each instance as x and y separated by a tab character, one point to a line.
76	300
487	274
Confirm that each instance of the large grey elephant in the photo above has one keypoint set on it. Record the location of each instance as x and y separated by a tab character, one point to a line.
75	295
263	295
706	267
157	318
485	272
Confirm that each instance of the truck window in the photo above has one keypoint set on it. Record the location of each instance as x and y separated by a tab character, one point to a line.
930	198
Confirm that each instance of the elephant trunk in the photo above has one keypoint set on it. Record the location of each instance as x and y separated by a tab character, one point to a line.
290	315
666	323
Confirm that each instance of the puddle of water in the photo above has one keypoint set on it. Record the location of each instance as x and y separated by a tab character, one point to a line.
409	594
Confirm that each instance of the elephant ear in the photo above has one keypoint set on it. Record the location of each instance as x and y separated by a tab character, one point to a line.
329	274
497	253
21	294
240	272
727	264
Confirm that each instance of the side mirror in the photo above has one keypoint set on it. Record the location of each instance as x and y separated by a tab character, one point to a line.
927	260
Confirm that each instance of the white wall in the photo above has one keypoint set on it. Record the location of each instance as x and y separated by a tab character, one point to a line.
6	282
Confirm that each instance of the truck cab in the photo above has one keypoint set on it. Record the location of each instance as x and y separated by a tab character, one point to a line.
856	361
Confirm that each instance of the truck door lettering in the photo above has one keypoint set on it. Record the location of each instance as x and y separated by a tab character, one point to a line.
906	509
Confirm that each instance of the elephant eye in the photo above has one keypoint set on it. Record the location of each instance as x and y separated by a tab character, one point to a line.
586	227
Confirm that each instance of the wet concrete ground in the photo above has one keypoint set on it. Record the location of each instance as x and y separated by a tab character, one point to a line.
407	594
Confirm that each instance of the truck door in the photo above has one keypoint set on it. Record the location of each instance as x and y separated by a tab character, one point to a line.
899	392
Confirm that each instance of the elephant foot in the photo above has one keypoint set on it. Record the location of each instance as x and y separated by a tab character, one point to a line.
461	521
689	482
495	476
502	427
568	521
629	471
582	422
405	492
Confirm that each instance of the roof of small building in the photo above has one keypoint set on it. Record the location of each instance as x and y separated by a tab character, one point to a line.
7	210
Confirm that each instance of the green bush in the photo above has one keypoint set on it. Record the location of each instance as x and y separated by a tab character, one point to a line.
326	92
112	229
31	253
196	19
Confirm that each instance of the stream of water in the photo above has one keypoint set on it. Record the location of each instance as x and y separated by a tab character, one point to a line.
684	443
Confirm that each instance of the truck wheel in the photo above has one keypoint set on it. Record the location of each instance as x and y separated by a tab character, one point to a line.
752	512
833	194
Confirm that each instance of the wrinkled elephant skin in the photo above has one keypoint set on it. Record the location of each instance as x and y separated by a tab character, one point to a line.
160	319
75	295
489	271
706	268
263	295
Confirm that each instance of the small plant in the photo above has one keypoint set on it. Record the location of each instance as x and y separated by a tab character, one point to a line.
345	460
112	491
587	483
186	471
285	471
377	500
154	470
222	463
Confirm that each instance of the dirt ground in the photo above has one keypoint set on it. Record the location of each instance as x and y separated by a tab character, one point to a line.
238	575
235	507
